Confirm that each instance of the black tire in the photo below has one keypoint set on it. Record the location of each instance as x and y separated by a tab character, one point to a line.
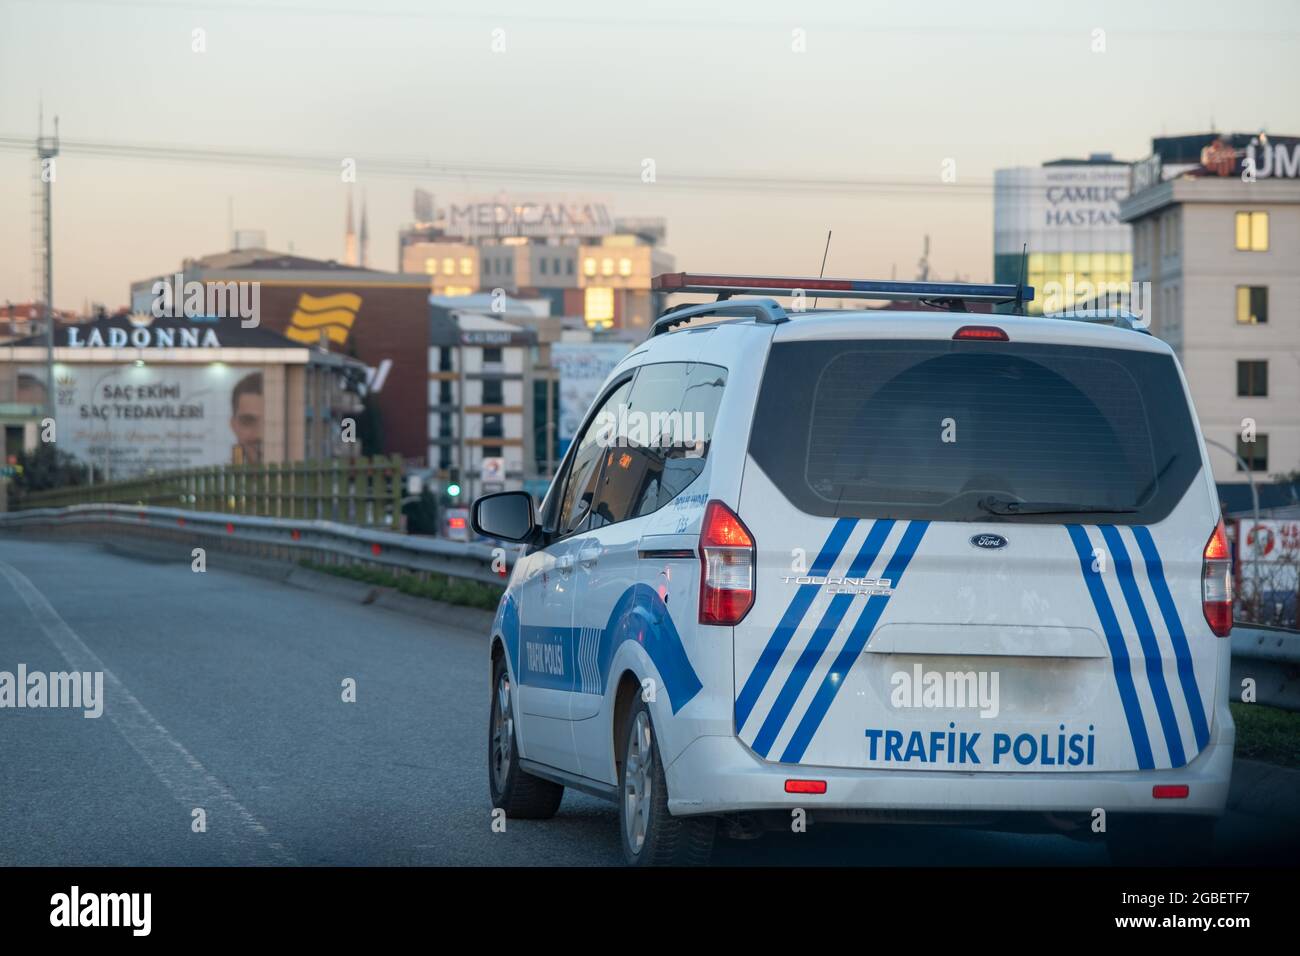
666	840
521	795
1160	841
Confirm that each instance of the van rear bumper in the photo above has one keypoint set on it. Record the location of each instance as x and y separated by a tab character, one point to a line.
721	775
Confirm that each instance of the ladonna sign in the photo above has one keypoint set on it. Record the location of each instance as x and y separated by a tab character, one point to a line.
141	337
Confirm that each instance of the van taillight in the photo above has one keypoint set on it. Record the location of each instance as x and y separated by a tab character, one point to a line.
1216	582
726	567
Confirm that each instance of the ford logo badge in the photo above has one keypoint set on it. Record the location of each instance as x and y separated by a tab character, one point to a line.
988	541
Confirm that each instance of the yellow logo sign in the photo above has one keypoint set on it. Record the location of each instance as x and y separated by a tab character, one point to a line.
330	315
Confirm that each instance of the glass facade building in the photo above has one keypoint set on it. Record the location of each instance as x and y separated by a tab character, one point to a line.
1067	213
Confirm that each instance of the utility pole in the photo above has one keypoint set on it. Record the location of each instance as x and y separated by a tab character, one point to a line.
47	148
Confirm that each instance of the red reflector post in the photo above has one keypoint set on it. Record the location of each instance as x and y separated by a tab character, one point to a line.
987	333
805	786
1170	791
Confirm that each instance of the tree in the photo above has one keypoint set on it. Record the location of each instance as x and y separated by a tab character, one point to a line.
48	467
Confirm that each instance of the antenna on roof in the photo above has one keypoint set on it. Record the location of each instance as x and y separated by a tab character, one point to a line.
825	253
1018	307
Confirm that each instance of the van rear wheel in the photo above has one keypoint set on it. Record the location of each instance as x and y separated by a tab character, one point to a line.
651	836
521	795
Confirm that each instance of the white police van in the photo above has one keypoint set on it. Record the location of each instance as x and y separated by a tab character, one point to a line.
892	566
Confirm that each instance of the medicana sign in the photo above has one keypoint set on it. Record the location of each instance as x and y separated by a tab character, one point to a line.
130	421
538	218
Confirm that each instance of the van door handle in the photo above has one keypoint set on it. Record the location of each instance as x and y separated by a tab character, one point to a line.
588	555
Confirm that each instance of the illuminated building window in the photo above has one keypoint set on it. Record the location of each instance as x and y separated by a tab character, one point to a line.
607	267
589	266
625	267
449	267
1252	304
431	266
457	290
1252	231
598	306
467	266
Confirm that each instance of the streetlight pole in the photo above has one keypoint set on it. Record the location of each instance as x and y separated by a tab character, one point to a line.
46	150
1245	466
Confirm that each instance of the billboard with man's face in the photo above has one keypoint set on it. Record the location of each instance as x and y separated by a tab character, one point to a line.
130	420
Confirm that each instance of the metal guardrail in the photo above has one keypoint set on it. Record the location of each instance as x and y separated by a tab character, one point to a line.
358	491
1270	656
327	541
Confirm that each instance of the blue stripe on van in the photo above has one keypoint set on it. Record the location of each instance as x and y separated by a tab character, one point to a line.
1118	651
803	597
1177	636
821	637
1153	658
857	640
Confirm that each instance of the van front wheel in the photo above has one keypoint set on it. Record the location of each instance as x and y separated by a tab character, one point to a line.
521	795
651	836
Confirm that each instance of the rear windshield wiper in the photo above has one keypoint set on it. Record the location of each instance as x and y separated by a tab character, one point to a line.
1007	506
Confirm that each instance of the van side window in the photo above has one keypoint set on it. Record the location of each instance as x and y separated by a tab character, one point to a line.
580	487
662	439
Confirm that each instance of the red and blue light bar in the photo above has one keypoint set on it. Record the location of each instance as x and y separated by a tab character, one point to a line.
839	288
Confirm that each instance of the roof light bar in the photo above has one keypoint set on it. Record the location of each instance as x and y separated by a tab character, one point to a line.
838	288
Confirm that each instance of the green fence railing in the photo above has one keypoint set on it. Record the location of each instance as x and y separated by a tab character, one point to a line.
357	491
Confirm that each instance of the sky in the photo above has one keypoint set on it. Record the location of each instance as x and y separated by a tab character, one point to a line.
876	96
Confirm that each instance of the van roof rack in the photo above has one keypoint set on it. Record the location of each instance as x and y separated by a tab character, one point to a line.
1119	319
763	311
950	295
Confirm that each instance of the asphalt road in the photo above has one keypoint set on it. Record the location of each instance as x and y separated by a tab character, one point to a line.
224	692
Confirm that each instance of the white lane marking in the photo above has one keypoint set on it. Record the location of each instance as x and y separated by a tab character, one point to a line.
178	769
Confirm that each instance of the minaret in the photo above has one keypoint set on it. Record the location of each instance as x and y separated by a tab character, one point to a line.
365	233
350	237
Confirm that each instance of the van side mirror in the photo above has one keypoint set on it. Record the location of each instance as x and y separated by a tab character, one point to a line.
507	515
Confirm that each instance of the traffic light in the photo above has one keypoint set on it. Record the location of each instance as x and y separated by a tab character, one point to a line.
453	482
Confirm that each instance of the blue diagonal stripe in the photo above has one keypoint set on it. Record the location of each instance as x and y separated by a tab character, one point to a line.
821	637
1177	636
790	621
1152	657
853	646
1118	650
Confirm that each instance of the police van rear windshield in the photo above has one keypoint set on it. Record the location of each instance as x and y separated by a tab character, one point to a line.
975	431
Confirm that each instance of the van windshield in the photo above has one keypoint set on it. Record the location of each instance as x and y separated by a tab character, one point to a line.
975	431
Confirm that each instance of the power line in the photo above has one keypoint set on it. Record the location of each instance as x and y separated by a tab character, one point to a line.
428	168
